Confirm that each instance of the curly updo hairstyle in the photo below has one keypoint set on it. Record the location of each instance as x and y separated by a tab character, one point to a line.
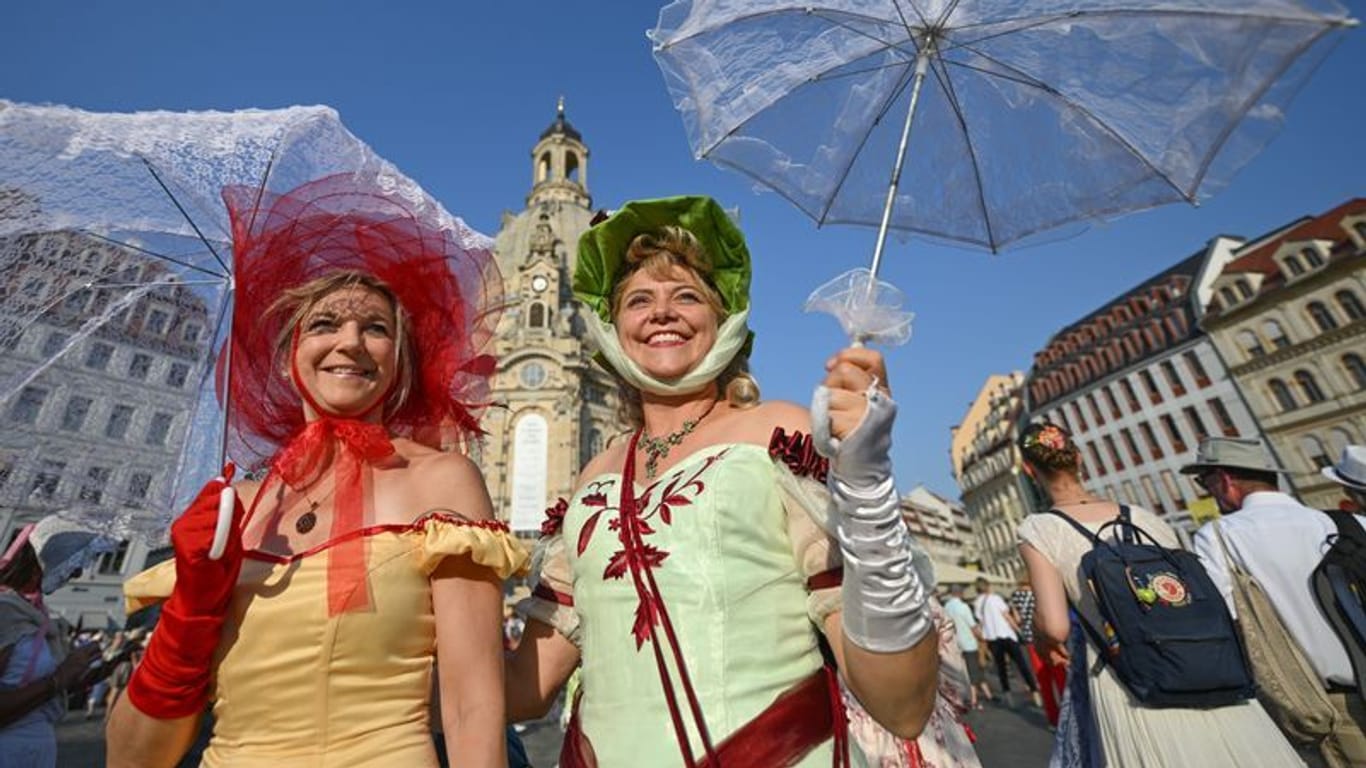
1049	447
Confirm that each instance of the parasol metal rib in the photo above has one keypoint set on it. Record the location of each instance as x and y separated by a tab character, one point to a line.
1084	112
155	255
951	94
922	65
184	213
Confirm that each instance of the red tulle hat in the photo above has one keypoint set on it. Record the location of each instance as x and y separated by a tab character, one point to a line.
444	276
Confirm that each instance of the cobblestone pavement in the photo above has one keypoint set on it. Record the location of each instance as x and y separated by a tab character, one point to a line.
1006	738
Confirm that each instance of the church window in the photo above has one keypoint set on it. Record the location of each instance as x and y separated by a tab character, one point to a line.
532	375
536	316
543	168
571	167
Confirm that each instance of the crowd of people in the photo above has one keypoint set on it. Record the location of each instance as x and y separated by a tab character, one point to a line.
730	583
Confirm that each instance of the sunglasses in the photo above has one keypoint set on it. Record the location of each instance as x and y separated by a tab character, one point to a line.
1206	479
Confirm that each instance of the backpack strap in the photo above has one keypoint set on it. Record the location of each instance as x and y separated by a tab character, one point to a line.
1347	524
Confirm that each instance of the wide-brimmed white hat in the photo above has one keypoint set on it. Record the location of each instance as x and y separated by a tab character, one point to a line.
1350	469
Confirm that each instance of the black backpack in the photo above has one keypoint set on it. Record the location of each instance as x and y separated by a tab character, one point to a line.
1339	584
1167	632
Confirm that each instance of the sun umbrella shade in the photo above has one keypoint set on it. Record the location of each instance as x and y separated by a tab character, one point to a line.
116	292
1033	115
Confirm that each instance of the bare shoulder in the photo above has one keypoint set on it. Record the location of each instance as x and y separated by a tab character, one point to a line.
442	481
610	460
756	425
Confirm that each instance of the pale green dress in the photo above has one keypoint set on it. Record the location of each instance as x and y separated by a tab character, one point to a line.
738	545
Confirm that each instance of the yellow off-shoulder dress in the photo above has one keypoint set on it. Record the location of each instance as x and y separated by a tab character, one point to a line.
297	687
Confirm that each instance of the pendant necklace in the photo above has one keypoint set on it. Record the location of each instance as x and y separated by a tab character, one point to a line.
657	448
309	518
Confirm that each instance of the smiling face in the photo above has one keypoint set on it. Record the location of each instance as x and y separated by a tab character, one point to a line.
665	320
346	353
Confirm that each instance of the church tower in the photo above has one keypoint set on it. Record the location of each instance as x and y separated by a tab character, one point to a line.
554	408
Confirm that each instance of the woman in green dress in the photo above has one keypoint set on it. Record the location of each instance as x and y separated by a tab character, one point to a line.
705	560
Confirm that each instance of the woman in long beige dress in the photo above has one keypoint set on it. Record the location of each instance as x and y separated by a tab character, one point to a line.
1120	731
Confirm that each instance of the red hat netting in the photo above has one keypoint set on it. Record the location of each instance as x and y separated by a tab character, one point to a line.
450	291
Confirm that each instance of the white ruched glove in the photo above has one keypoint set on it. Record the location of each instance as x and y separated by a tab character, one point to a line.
886	576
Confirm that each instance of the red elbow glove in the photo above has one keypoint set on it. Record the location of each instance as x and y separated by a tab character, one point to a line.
173	679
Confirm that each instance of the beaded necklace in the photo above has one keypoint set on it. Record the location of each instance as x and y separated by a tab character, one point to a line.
657	448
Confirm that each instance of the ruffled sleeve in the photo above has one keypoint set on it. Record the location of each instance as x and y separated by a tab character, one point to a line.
149	587
552	594
487	542
806	503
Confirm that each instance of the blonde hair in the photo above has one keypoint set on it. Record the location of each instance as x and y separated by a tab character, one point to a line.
662	251
295	303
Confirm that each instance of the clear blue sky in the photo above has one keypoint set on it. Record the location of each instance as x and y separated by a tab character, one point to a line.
456	93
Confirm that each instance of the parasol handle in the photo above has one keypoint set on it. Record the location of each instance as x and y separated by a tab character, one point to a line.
227	503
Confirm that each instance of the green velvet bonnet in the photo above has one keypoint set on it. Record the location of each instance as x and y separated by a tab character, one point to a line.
602	250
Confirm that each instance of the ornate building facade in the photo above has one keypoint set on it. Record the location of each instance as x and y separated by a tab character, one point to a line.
554	407
987	466
1138	384
100	430
1289	315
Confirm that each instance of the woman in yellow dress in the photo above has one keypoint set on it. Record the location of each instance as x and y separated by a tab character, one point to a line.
365	552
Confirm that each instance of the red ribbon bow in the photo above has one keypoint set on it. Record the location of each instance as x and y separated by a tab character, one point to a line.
351	444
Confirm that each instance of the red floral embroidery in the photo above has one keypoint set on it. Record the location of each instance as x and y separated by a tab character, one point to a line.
554	517
678	491
798	452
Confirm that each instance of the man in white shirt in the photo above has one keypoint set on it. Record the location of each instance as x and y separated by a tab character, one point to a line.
999	628
1279	542
967	633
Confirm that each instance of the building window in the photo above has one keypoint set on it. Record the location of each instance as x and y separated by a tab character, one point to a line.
1309	386
111	563
1111	402
1322	316
1293	267
27	406
1221	415
73	418
1076	414
119	419
1351	305
1197	370
1356	369
1173	488
1112	453
97	357
1250	344
140	366
191	333
1129	394
156	322
1197	424
159	429
54	343
1131	445
1311	257
1227	296
1130	493
1095	458
1281	393
177	374
1244	288
1173	380
1150	386
1338	440
47	479
1154	447
92	489
139	484
536	315
1095	411
1173	433
1275	334
1313	451
1150	488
